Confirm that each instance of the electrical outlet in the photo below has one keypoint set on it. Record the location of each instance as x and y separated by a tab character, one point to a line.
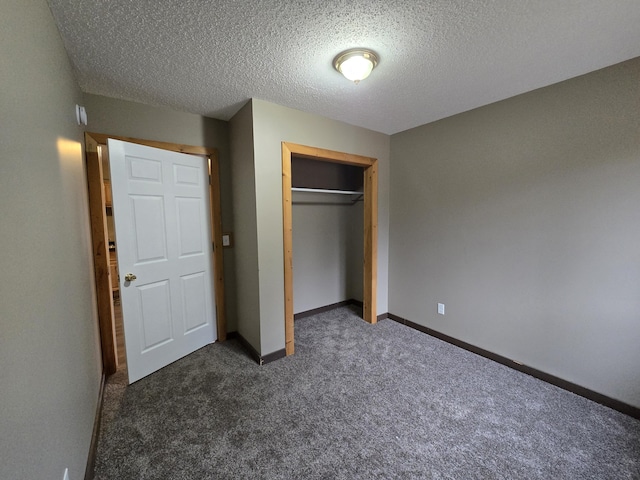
441	308
66	474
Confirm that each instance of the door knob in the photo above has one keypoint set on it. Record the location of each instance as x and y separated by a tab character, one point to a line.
129	277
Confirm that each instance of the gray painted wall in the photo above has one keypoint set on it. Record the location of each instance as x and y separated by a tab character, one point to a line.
130	119
273	124
523	217
246	235
49	344
324	270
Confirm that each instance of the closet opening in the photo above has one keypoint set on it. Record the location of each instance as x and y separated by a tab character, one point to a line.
330	200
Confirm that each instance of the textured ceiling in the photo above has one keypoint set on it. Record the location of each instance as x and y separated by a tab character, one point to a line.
437	57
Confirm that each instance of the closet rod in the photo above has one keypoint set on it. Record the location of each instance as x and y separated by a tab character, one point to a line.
320	190
328	204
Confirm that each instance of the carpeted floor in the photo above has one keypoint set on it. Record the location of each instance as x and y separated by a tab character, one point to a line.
357	401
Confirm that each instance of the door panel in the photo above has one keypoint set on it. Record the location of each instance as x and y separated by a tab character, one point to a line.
144	169
193	295
155	319
149	228
161	212
189	226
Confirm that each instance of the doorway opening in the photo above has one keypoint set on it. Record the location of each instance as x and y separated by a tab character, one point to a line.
96	152
370	194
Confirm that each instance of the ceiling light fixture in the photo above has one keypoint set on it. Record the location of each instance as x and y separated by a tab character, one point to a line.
356	64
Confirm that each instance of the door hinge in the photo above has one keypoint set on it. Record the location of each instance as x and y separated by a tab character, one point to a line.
213	247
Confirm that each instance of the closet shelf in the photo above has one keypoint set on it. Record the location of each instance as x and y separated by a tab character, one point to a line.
354	196
320	190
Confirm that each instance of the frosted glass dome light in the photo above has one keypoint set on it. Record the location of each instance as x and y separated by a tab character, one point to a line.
355	64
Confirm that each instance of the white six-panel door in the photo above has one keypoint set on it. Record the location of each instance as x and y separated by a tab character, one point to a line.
161	214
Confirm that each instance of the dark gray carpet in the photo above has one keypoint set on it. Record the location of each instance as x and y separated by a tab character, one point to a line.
357	401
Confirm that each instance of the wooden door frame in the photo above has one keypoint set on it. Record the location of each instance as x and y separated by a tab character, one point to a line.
100	241
100	248
370	165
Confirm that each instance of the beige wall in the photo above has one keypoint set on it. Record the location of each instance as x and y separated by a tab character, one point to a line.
49	345
246	236
272	125
130	119
523	217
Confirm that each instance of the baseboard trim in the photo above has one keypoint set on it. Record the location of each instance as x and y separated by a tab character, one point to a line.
260	360
249	348
273	356
382	316
93	446
546	377
326	308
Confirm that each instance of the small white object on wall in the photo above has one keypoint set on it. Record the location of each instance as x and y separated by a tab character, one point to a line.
81	115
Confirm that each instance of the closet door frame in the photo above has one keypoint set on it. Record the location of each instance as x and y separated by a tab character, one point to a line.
370	166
